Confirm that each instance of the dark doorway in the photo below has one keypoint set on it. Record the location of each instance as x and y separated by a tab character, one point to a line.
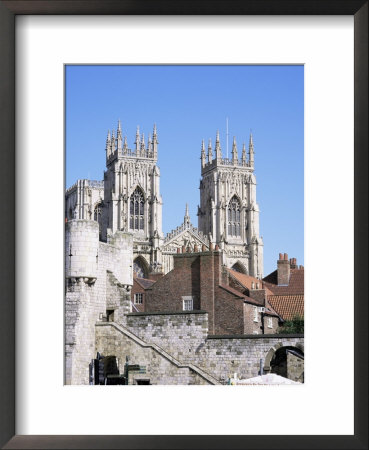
143	381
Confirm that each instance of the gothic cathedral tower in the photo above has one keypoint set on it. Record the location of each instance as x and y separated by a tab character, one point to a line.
132	200
228	212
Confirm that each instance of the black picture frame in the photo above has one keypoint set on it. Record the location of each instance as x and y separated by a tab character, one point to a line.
8	11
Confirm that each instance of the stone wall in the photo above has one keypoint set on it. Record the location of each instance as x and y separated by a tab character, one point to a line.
224	356
184	336
181	334
161	368
295	367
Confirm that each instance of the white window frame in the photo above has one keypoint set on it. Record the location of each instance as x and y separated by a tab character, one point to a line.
270	322
256	314
138	298
187	303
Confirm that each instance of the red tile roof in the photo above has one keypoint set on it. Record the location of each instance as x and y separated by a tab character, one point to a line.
246	280
287	306
295	286
240	295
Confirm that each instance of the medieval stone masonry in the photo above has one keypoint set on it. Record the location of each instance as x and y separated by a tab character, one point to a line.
173	305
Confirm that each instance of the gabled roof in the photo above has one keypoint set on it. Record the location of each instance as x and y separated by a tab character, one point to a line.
143	282
287	306
247	280
240	295
186	227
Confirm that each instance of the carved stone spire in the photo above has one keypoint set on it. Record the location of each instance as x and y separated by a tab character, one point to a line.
119	136
203	155
251	151
244	154
210	152
149	143
234	151
125	145
112	142
155	142
137	141
186	219
143	144
218	150
108	145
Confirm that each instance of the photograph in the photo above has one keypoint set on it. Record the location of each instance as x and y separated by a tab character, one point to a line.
184	225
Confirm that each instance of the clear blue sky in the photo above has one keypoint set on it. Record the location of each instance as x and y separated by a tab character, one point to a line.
188	104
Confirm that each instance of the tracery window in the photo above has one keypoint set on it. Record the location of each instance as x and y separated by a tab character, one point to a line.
97	212
234	217
136	210
98	216
138	268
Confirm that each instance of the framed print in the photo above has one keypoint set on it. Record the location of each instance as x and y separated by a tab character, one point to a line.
58	59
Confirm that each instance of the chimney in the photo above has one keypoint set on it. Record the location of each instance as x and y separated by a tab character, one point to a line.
293	263
283	269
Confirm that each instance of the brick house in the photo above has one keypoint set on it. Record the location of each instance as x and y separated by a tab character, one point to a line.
199	281
285	288
138	293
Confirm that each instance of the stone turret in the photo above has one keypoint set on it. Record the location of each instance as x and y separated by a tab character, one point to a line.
82	250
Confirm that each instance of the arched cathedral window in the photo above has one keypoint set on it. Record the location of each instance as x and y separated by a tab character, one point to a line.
97	213
234	217
136	210
139	269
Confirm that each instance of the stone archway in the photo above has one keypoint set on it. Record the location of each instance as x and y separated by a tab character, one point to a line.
286	360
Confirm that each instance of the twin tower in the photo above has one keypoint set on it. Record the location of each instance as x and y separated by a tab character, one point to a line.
129	200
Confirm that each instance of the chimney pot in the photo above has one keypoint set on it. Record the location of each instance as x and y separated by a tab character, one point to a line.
285	257
211	246
280	256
